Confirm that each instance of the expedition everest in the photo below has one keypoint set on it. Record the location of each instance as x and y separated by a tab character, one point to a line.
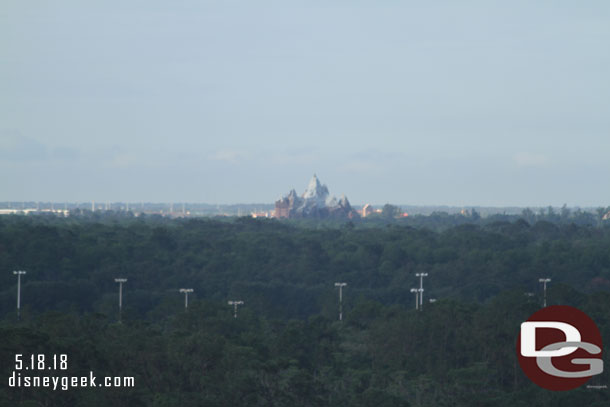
314	203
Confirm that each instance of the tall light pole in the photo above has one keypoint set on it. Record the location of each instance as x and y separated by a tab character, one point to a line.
186	292
235	304
421	287
416	291
19	273
544	281
340	285
120	281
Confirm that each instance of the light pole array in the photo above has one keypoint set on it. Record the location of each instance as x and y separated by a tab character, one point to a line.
340	285
416	291
421	288
235	304
186	292
544	281
120	281
19	273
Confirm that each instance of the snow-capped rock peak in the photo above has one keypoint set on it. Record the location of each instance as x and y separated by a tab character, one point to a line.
315	202
315	190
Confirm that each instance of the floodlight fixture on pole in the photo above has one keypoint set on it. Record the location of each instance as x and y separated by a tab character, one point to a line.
340	285
235	304
120	281
19	273
544	281
186	292
421	287
416	291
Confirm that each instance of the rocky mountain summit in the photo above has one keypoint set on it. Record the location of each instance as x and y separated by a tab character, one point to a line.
315	202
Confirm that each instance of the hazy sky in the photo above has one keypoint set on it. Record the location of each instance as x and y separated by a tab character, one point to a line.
438	102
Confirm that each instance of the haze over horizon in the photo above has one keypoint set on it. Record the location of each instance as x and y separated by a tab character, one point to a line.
461	104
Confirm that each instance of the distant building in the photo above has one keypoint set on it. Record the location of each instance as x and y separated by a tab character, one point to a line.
367	210
63	212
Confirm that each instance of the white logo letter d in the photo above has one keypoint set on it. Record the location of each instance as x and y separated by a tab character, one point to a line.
528	338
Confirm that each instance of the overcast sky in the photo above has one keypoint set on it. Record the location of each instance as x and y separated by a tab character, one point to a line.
440	102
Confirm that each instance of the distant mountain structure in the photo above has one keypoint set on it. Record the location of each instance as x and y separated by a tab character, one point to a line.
314	203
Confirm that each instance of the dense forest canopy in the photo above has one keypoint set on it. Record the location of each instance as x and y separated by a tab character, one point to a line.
287	346
287	269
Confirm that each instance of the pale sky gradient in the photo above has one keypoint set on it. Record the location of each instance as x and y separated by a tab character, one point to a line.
490	103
